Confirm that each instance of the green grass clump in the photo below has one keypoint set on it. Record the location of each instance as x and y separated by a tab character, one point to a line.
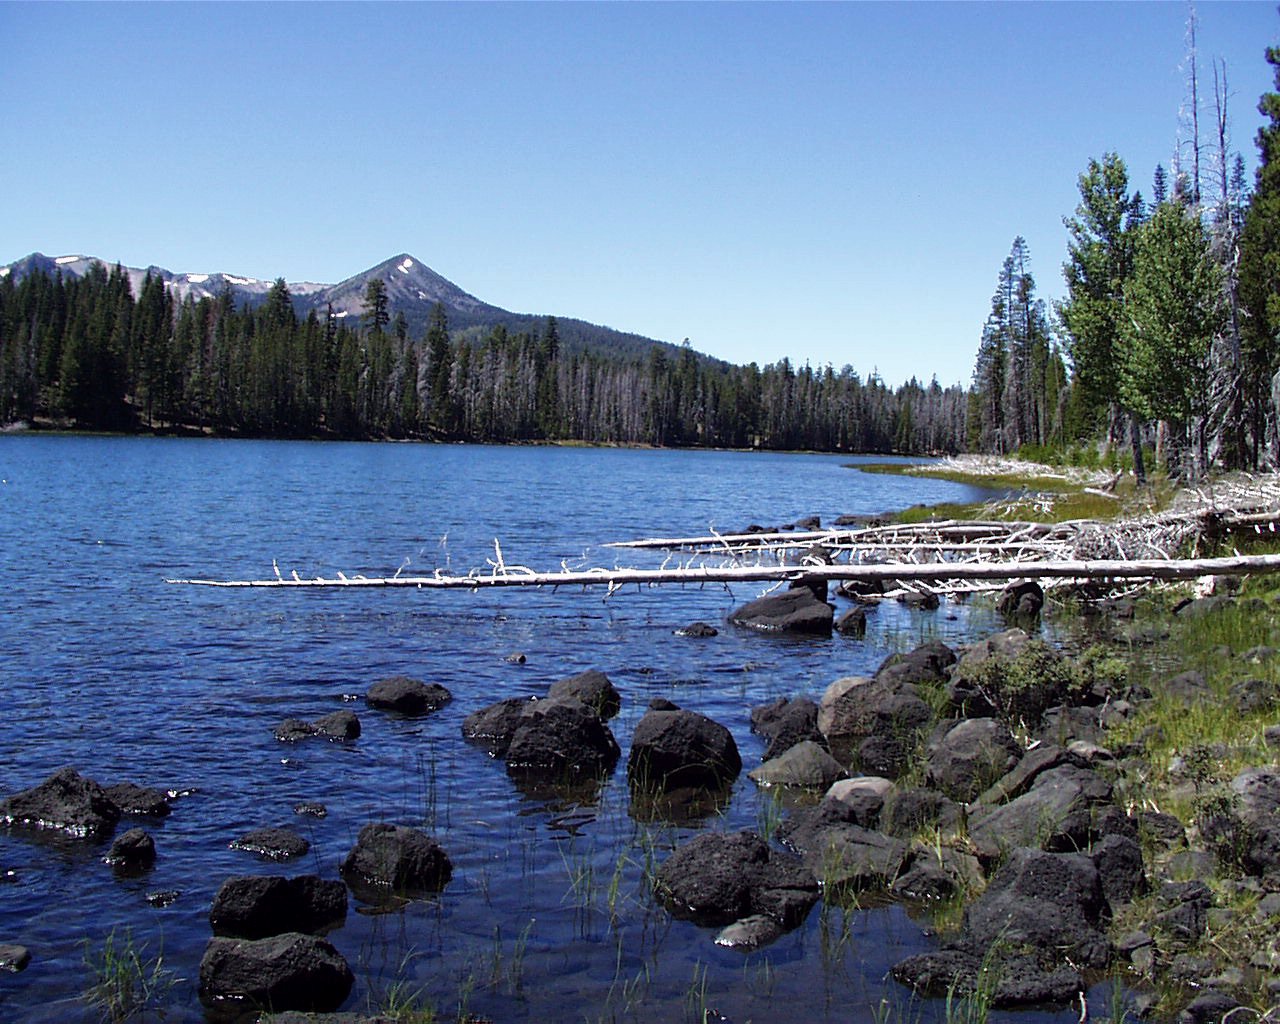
127	981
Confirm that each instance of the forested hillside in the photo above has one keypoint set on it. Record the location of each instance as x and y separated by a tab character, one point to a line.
85	352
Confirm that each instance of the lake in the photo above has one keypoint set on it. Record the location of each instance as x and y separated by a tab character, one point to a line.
110	670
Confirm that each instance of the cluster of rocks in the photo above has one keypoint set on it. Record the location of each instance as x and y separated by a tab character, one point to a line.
923	752
803	607
268	947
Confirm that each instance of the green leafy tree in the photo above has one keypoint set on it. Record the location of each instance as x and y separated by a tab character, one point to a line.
1173	309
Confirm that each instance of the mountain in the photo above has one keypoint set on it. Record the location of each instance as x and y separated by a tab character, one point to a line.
413	289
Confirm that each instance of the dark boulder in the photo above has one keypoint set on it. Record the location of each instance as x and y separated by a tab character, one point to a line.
1008	981
852	623
845	855
698	630
406	696
970	755
1213	1007
861	590
284	972
291	730
1021	602
272	843
65	801
493	726
563	739
1184	912
142	800
339	725
1056	813
676	749
1118	859
591	688
807	765
887	754
14	958
929	663
792	611
910	811
1255	696
859	801
134	850
920	600
786	722
1039	923
854	708
256	906
396	859
717	878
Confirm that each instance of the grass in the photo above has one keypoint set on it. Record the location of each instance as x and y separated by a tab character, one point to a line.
127	981
1031	498
1188	751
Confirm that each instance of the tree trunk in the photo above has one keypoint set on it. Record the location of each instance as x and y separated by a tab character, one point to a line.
1135	438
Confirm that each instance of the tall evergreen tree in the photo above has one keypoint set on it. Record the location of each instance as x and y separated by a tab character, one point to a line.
1260	278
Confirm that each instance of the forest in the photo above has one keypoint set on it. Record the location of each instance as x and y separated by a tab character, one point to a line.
1164	348
85	352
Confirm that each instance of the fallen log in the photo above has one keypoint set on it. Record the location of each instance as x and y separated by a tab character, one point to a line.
1093	570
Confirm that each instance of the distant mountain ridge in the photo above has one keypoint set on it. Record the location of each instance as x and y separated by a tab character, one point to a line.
413	289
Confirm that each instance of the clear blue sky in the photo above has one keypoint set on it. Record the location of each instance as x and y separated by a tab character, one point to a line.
834	183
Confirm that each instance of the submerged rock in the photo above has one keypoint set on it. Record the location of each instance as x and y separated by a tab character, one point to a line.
406	696
285	972
673	749
14	958
561	738
792	611
698	630
66	801
133	851
272	843
397	859
591	688
717	878
134	799
256	906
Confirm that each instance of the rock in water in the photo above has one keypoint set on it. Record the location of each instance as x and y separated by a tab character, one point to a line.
257	906
396	859
66	801
285	972
407	696
792	611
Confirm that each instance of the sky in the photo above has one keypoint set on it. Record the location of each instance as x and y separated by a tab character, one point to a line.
834	183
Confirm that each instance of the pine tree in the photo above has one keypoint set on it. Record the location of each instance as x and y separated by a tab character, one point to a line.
1100	259
376	316
1260	276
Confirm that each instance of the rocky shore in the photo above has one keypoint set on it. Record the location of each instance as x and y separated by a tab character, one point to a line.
1041	808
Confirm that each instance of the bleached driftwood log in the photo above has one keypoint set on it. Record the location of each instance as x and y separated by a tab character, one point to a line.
1145	569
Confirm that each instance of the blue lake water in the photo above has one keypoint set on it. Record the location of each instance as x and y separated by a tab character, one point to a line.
110	670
